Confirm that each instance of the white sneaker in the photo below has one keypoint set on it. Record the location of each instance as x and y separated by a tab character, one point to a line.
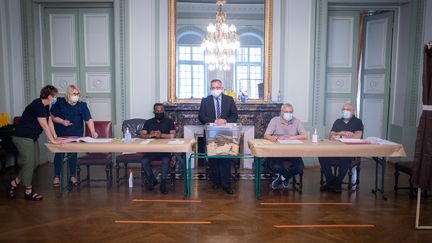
277	183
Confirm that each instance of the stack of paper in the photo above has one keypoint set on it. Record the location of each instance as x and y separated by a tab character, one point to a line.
287	141
353	141
375	140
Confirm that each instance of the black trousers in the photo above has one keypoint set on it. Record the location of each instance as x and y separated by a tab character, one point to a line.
220	172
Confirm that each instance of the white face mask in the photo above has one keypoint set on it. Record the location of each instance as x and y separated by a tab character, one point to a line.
346	114
288	116
216	92
74	98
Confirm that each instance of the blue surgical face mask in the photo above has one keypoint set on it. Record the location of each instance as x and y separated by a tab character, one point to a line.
288	116
53	101
346	114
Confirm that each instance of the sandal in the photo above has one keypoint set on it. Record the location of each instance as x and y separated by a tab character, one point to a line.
12	188
56	182
73	181
32	196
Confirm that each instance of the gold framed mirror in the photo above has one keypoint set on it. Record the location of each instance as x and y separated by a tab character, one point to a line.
256	78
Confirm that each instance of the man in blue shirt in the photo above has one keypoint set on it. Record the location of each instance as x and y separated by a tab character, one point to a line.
349	126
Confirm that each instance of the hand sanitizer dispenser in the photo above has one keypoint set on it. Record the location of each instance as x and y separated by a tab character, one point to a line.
315	136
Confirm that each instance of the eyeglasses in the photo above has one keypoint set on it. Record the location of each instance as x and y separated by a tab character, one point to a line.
76	93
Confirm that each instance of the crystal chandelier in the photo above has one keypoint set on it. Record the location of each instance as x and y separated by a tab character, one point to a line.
221	42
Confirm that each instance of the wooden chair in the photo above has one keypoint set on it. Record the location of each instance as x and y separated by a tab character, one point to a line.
297	185
7	145
104	130
354	164
405	167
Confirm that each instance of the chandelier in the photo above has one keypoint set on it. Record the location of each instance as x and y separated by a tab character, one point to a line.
221	42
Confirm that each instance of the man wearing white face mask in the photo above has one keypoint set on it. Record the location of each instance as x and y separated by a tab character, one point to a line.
348	126
219	109
283	127
69	114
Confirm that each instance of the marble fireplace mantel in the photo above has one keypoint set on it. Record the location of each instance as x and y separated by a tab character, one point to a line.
257	115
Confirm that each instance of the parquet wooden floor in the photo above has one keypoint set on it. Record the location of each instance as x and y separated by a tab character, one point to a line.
89	215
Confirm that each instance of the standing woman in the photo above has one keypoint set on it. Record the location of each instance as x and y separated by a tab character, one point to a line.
69	114
34	120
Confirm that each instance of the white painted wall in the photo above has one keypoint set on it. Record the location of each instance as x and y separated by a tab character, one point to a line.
11	61
142	60
295	74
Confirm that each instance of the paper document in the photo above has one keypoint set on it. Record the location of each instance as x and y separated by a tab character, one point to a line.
353	141
375	140
146	141
176	142
290	141
88	140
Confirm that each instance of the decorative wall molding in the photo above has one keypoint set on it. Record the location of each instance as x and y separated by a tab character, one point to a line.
98	82
184	7
62	80
374	84
373	118
339	82
336	57
377	28
101	108
96	50
320	64
62	56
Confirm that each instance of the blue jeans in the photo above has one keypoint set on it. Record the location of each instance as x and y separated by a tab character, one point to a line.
72	162
164	157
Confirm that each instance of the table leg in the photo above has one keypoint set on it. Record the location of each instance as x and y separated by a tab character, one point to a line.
64	181
189	177
257	164
379	161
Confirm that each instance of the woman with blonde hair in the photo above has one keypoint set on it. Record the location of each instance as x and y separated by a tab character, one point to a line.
69	114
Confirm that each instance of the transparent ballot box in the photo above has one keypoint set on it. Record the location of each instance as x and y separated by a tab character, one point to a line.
223	140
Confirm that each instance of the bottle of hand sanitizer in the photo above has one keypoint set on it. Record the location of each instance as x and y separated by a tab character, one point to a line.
127	136
315	136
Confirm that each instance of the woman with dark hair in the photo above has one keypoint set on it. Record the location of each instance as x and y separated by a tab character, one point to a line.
69	114
34	120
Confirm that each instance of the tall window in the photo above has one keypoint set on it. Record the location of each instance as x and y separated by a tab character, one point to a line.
191	75
248	73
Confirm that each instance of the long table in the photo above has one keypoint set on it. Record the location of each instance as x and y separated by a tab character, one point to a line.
261	148
139	145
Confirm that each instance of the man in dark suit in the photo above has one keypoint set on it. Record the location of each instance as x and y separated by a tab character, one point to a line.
219	109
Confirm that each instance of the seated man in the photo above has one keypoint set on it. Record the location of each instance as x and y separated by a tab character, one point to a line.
282	127
157	127
348	126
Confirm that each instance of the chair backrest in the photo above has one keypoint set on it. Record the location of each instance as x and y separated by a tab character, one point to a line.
16	120
134	125
103	129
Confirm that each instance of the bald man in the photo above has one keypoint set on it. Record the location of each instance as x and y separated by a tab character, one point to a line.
348	126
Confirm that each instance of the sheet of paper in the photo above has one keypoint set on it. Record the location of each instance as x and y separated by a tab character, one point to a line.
290	141
352	140
146	141
95	140
176	142
375	140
